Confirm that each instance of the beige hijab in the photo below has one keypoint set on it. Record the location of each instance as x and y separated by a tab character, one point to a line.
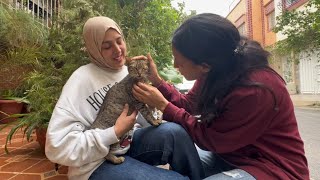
93	33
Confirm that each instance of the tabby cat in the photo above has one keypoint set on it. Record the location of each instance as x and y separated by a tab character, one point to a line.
120	94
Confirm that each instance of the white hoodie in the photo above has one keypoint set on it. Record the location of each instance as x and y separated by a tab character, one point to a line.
70	141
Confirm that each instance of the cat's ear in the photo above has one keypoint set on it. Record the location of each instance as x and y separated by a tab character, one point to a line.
128	60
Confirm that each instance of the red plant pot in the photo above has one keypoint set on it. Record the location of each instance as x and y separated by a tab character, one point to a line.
9	107
41	137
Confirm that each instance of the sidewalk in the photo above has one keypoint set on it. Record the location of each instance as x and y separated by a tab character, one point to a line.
26	161
305	99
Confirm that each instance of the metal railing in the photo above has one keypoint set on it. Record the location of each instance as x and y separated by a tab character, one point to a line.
43	10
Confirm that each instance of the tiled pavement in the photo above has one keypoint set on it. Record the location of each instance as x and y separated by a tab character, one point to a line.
26	161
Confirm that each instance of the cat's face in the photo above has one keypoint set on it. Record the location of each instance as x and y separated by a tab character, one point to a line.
138	69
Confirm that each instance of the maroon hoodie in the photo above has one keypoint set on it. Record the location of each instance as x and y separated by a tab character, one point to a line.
250	134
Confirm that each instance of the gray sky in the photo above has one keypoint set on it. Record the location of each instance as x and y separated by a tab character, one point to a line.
220	7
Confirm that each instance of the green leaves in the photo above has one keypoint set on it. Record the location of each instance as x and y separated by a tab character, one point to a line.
170	74
19	29
302	28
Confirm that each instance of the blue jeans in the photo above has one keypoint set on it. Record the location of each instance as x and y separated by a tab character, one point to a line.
217	169
132	169
168	143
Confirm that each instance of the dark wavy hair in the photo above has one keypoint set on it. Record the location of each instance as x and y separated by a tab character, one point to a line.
214	40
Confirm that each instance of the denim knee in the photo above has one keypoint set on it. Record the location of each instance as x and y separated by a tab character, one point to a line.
175	139
173	129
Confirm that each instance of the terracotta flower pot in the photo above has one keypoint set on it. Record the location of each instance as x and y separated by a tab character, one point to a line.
41	137
9	107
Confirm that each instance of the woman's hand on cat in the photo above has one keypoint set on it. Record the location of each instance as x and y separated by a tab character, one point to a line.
125	122
149	95
154	75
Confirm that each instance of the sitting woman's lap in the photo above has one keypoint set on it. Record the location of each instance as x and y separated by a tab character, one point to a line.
133	169
151	146
168	143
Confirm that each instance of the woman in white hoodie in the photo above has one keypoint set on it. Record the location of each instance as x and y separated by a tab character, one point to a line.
72	143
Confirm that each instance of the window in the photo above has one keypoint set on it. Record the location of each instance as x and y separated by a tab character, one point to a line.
271	20
242	29
293	4
288	3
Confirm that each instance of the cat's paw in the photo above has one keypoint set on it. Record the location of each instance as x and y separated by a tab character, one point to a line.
118	160
114	159
156	122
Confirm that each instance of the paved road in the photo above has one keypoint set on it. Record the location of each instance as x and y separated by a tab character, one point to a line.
309	127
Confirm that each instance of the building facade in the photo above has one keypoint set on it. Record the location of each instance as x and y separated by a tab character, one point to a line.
256	19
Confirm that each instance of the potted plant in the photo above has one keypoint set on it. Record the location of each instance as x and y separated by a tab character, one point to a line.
51	59
10	108
20	52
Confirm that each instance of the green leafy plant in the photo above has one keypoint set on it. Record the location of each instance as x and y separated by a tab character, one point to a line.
302	28
21	39
20	51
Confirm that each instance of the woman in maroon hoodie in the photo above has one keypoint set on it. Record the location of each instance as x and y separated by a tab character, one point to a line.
239	108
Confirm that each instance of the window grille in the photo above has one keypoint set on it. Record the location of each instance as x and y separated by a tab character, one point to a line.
43	10
288	3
